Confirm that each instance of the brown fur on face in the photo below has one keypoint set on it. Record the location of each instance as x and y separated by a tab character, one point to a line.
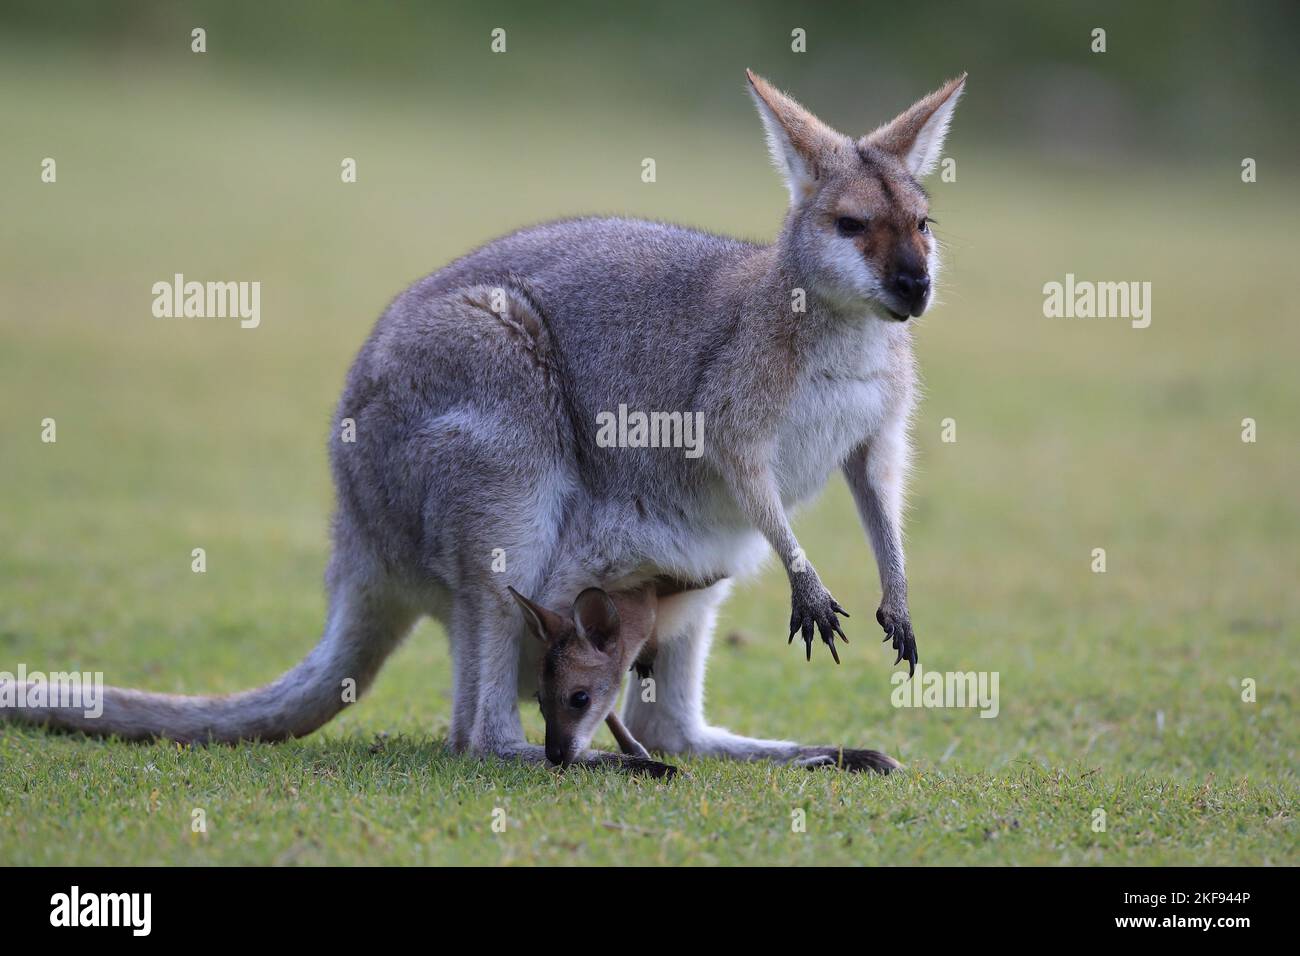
862	191
878	191
587	653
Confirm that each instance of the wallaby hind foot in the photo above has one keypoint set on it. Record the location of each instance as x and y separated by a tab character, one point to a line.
843	758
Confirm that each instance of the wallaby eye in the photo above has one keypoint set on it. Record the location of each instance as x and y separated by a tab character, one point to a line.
579	699
924	224
848	226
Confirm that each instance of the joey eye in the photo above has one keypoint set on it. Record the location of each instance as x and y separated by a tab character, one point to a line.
579	699
848	226
923	224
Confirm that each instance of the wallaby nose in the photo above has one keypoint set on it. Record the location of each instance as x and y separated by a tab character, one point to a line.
912	288
557	752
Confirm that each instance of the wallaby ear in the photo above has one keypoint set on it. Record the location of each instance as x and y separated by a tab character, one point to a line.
544	623
596	619
916	136
796	138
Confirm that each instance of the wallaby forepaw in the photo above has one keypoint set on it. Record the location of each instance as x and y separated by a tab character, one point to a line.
647	767
637	766
898	629
813	607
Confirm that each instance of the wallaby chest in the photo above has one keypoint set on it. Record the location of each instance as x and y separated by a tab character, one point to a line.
848	386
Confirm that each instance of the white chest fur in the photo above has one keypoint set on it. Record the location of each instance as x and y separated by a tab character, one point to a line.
845	392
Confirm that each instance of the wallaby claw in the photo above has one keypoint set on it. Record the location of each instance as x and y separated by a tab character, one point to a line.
898	629
816	614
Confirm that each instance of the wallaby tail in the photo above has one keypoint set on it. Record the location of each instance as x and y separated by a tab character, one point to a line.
361	632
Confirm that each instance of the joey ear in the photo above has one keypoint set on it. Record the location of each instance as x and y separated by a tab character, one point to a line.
543	623
916	135
797	140
596	619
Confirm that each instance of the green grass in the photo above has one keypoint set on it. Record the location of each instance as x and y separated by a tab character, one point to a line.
1071	436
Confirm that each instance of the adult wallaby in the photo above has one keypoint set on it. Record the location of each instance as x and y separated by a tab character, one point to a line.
467	455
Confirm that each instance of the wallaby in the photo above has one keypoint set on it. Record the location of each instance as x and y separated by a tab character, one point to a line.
586	654
467	455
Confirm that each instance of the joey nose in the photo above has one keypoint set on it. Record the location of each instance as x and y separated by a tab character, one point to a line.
912	288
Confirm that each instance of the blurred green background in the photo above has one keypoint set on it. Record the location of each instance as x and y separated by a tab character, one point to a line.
1119	689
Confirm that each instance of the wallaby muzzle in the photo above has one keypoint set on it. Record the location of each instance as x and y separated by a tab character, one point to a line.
558	751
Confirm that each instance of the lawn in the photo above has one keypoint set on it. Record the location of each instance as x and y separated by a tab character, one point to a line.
1121	691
